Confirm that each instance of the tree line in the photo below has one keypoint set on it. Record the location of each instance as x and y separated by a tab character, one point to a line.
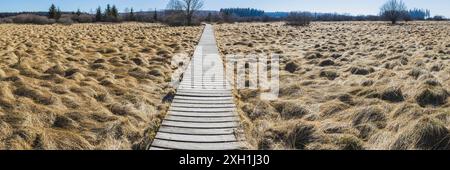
243	12
187	12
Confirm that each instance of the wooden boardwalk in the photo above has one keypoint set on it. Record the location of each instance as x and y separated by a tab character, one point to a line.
202	115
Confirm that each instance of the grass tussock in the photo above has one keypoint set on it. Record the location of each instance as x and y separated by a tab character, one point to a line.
86	86
431	95
347	85
426	134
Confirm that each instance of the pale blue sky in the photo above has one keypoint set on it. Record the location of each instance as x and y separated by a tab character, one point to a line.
441	7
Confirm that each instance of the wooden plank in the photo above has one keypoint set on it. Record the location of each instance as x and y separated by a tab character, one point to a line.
203	95
203	98
182	101
203	77
196	131
200	125
196	138
204	84
225	94
209	77
205	72
158	149
202	119
202	110
196	145
225	91
218	87
193	114
204	88
190	105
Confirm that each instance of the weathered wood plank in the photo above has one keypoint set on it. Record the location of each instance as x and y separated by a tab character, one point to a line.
219	87
196	138
193	114
202	119
157	148
182	101
196	131
190	105
196	145
202	110
206	125
203	95
204	91
203	98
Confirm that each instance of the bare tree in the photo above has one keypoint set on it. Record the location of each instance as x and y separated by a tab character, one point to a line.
188	7
393	10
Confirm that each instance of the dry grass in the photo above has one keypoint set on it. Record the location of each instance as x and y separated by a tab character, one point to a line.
348	85
86	86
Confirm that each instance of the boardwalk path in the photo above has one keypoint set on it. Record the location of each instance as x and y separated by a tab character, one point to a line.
202	115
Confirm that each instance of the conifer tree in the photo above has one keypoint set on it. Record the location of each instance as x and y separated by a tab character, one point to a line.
107	13
155	15
132	15
58	13
52	12
78	12
98	14
114	12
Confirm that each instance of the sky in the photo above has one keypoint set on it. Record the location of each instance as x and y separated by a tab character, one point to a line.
355	7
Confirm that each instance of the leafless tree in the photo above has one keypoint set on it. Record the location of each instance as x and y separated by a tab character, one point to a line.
393	10
188	7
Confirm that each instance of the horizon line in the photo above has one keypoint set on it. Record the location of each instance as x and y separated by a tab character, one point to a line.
83	11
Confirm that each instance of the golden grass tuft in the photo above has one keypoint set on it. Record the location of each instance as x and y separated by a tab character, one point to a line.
2	74
427	134
371	115
431	95
7	98
291	109
40	97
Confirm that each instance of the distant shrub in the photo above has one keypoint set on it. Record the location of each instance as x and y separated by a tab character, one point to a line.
299	19
83	18
65	21
32	19
438	18
6	20
144	17
174	19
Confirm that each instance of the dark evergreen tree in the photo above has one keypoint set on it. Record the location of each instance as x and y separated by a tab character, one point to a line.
114	12
98	14
58	13
155	15
419	14
107	13
78	13
52	12
209	17
132	16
